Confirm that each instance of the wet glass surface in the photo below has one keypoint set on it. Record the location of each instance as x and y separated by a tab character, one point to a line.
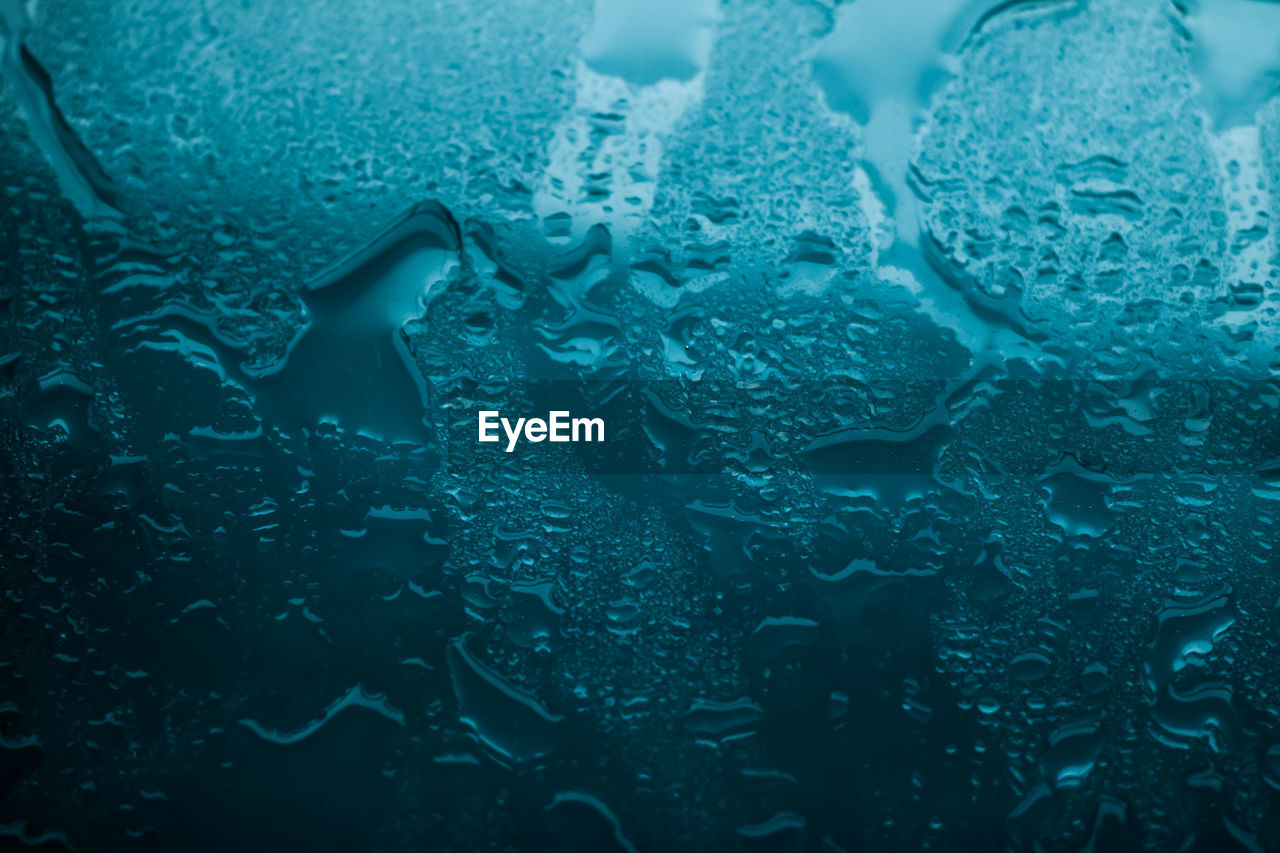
938	350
